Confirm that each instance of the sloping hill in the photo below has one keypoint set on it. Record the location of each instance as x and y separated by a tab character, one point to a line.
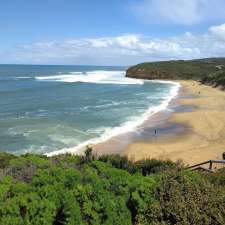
178	69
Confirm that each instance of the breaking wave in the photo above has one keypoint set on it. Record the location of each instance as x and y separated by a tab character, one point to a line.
98	76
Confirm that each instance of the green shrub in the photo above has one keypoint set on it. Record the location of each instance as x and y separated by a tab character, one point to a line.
145	167
216	79
74	190
179	199
217	178
5	159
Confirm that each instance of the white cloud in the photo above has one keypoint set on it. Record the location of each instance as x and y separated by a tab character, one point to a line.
121	50
184	12
218	31
127	41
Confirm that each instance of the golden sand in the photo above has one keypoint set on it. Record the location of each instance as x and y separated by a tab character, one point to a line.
205	136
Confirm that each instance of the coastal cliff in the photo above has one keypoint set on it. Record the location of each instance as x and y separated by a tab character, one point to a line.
143	73
197	69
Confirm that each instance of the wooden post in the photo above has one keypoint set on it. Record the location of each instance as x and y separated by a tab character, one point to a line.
210	164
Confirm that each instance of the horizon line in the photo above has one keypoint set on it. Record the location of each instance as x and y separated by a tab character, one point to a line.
31	64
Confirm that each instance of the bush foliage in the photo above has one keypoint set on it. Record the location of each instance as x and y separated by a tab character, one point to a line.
73	190
215	79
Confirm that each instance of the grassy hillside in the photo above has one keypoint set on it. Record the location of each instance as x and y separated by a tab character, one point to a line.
178	69
68	189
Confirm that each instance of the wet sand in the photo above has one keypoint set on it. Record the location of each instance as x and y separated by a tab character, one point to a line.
144	133
203	136
155	127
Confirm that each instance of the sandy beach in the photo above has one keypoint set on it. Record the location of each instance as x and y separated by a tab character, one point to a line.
204	136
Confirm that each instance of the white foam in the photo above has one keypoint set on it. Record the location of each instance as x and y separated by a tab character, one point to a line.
126	127
113	103
22	78
98	76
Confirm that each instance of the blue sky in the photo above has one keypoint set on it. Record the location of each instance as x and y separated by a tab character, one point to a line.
118	32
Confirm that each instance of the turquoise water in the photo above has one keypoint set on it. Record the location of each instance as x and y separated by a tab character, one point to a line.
45	109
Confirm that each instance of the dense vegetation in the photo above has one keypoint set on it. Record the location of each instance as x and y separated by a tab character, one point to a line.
85	190
215	79
178	69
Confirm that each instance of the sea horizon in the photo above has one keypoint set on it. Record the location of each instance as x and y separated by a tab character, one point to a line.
84	65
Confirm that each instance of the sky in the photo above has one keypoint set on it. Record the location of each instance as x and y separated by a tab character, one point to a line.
116	32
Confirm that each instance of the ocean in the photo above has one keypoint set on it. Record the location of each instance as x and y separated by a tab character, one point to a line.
51	109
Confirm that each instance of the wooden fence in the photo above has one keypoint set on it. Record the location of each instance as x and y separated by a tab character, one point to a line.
209	166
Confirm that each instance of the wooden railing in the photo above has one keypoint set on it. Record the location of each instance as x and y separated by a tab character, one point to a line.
210	166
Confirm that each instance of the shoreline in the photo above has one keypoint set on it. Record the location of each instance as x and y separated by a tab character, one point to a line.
120	137
191	128
204	136
144	132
